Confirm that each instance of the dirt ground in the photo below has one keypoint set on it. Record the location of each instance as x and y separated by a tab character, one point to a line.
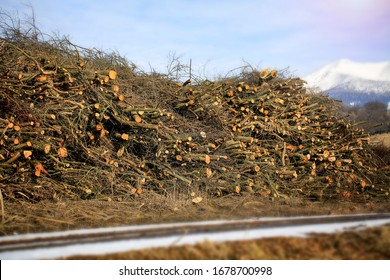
22	217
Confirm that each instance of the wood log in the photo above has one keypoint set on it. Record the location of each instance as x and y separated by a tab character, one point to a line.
111	74
197	157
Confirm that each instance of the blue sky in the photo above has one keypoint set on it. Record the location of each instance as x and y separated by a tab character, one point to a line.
220	35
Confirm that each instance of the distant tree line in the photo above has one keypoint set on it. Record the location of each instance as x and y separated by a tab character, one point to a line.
373	116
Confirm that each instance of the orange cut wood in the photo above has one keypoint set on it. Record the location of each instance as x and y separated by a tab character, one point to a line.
115	88
137	118
326	154
112	74
27	154
291	147
120	152
332	159
99	127
179	158
41	78
62	152
264	73
125	136
47	148
40	169
197	200
103	132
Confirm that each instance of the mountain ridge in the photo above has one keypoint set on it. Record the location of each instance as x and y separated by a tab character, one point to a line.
353	82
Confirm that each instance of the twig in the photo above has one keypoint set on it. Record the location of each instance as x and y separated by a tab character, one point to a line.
2	208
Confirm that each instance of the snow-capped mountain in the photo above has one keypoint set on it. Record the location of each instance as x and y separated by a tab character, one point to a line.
353	82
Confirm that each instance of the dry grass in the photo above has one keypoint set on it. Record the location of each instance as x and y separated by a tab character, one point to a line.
380	146
382	152
383	139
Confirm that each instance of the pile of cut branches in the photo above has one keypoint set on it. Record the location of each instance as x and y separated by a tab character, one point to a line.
80	123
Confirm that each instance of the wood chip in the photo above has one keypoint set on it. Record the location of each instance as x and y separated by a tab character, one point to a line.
27	154
197	200
120	152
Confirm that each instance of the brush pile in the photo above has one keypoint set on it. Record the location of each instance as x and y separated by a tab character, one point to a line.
79	123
